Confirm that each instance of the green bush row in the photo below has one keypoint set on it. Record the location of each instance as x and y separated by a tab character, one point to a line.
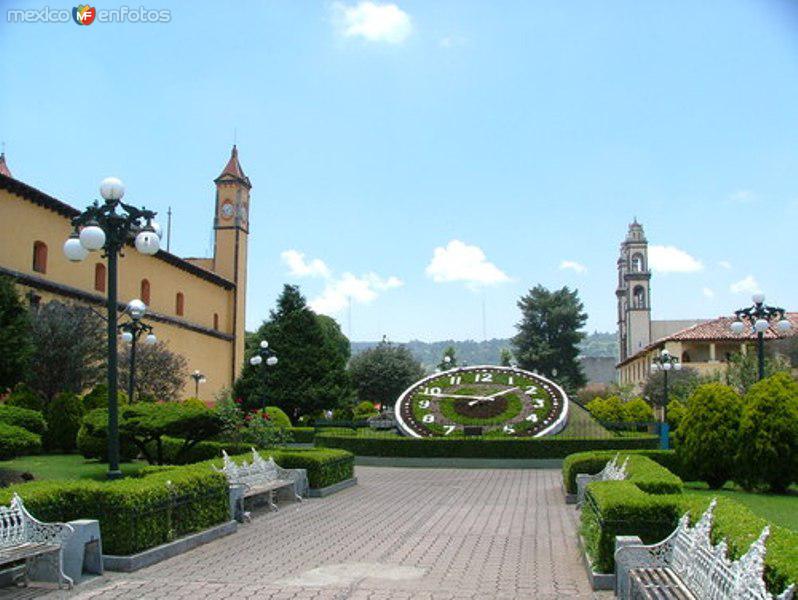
325	467
158	505
656	479
32	420
478	447
301	435
615	508
16	441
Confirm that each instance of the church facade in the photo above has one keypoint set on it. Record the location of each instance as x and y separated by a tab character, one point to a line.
197	306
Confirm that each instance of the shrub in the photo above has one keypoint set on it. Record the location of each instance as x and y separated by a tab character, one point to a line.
707	437
637	411
32	420
608	410
301	435
98	398
277	417
768	452
135	513
92	441
193	402
551	447
16	441
64	416
676	410
658	478
24	397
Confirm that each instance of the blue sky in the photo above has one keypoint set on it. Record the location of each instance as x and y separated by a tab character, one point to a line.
513	137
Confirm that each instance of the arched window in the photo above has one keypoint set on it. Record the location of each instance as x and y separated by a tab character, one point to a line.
99	277
638	264
639	297
685	357
40	257
145	291
216	321
179	304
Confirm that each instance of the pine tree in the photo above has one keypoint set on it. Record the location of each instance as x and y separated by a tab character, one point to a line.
451	363
16	346
310	375
549	334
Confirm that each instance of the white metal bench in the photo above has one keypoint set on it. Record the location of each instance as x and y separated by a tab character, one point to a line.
612	471
24	539
687	565
261	477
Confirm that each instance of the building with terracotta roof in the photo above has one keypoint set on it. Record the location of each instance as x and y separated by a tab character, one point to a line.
703	345
197	305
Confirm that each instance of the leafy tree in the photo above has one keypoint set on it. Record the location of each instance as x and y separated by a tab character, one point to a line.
16	346
311	373
382	373
24	397
607	410
549	335
743	369
451	363
768	450
637	411
364	410
64	416
32	420
681	385
707	438
160	373
676	410
69	349
505	357
98	398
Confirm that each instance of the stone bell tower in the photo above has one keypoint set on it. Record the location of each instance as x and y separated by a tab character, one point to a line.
633	293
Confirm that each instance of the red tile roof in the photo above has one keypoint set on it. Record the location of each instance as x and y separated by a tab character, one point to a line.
717	330
233	168
3	166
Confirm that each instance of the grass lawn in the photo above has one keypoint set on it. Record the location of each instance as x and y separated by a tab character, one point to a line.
781	509
582	425
66	466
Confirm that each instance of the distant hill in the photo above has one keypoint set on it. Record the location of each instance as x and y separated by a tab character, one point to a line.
595	345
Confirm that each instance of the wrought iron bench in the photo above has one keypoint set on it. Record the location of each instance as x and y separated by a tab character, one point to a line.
261	477
612	471
24	539
687	565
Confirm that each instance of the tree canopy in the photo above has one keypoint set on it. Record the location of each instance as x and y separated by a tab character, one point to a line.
549	334
15	342
383	372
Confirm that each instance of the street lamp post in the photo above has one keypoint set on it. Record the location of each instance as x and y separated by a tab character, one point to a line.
198	379
665	362
759	316
264	353
131	332
102	227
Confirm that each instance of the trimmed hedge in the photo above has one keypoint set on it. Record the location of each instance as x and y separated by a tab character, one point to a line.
301	435
92	441
16	441
325	467
659	480
478	447
32	420
615	508
137	512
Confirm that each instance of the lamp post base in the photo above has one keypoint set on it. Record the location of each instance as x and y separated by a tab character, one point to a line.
115	474
664	436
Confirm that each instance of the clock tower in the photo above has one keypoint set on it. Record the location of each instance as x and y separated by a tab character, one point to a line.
231	233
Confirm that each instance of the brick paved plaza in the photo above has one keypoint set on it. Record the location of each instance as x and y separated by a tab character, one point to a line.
401	533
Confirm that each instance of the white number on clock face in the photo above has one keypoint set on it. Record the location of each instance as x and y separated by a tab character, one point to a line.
531	390
484	377
455	380
538	403
429	418
533	418
448	429
431	391
510	380
423	404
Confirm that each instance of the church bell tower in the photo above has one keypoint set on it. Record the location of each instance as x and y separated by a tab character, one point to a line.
633	293
231	234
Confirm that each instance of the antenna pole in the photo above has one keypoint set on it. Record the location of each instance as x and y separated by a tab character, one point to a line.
168	228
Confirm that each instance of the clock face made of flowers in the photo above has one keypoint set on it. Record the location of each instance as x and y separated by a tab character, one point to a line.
504	401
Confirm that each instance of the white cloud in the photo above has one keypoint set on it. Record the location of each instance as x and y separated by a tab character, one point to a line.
373	22
670	259
708	292
725	264
572	265
743	197
460	262
748	285
362	290
299	267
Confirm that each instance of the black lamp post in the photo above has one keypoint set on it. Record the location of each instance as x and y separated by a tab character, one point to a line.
131	332
198	379
102	227
664	362
760	316
263	353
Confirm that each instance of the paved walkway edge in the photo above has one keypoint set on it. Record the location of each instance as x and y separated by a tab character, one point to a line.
459	463
134	562
331	489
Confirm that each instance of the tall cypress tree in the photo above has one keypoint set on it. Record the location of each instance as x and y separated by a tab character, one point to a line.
312	353
549	334
16	345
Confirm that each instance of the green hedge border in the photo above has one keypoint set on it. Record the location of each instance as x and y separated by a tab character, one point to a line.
547	447
659	480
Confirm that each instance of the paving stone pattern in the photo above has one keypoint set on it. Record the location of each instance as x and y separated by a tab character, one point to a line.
400	534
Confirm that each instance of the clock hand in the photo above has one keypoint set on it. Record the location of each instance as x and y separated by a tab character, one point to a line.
458	396
503	392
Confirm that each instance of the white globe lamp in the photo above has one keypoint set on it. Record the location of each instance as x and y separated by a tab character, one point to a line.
148	242
761	325
737	327
136	308
256	360
151	339
783	326
74	250
92	237
127	337
271	361
112	188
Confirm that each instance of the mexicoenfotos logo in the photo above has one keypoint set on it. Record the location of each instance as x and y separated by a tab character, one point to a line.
83	14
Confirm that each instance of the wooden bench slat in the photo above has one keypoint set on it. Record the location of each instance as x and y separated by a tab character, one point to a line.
9	554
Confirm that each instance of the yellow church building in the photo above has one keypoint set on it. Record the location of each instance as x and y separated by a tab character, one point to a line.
197	305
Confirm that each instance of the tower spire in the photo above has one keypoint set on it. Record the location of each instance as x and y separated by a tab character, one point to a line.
232	170
3	166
